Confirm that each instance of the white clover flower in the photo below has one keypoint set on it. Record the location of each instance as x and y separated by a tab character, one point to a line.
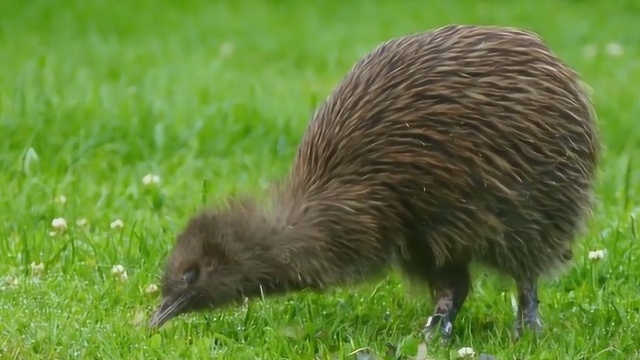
152	288
597	255
123	277
81	222
466	352
37	268
61	199
117	224
150	179
615	49
60	224
117	269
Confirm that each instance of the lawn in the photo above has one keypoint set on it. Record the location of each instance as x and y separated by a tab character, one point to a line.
213	97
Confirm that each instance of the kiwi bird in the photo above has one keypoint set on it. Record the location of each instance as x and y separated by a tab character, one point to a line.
459	145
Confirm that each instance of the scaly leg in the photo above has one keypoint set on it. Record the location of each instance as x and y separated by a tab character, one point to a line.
528	316
451	284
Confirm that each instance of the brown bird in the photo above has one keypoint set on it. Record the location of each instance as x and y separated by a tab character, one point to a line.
438	149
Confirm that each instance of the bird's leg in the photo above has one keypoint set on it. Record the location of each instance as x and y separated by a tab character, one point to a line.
528	315
450	284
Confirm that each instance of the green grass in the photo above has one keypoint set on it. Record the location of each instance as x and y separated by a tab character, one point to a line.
214	97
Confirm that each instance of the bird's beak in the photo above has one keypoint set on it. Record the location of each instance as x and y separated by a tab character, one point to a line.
170	307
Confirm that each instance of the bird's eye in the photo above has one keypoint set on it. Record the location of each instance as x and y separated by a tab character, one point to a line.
190	275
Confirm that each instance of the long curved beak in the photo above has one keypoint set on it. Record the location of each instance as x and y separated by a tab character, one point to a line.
169	308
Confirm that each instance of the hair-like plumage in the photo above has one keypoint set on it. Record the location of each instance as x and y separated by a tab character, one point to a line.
465	143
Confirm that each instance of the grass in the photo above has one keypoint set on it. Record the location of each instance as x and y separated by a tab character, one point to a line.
214	97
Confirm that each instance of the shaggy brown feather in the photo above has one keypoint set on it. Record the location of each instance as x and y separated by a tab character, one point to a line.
461	144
